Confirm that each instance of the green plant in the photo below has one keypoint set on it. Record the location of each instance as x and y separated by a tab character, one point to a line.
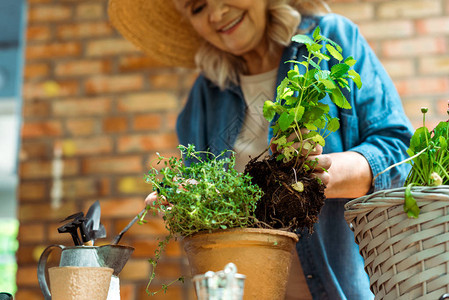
207	195
429	157
298	97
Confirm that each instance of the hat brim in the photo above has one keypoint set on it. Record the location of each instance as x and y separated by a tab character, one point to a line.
157	28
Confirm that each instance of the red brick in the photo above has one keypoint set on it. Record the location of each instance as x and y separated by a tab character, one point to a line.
433	26
88	145
127	291
31	233
117	83
147	122
107	47
41	129
144	248
359	12
422	86
147	102
120	208
38	108
442	108
115	124
38	33
25	254
136	270
153	229
90	11
82	67
53	50
409	9
84	30
37	70
387	29
78	188
112	165
35	150
77	127
49	13
27	276
133	185
138	63
434	65
399	67
79	107
43	169
33	191
32	212
50	89
414	47
164	81
170	121
147	142
412	107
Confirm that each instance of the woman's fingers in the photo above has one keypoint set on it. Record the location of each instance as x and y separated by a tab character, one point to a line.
323	163
154	200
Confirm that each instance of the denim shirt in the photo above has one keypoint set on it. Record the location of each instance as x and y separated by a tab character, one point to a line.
375	127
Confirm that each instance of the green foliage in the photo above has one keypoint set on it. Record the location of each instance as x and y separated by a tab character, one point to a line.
207	195
298	96
429	157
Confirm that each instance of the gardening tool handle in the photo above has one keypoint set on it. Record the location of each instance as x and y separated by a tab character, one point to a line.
41	268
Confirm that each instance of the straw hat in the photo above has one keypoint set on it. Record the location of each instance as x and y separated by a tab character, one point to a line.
157	28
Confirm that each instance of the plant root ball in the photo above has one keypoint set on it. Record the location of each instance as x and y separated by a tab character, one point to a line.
282	206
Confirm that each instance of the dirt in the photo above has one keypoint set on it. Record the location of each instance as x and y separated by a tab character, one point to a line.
283	207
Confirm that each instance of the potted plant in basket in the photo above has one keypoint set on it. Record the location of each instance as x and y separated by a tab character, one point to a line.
403	233
209	199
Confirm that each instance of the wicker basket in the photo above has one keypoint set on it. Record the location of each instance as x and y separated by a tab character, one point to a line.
404	258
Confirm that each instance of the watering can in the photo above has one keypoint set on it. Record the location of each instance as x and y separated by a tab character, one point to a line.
222	285
111	256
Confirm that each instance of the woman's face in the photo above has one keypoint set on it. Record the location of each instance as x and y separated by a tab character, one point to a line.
235	26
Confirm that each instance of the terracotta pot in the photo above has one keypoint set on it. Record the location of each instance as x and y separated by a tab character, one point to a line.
262	255
79	283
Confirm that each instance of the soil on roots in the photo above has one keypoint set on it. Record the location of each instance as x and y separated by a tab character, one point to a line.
283	207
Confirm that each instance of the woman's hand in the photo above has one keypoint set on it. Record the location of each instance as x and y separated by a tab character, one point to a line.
323	161
154	201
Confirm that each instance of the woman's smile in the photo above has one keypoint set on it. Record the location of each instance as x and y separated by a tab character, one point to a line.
232	26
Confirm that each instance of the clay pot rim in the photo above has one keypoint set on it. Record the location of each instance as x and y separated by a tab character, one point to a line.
278	232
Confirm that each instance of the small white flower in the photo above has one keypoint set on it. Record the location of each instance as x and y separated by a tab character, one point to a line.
436	179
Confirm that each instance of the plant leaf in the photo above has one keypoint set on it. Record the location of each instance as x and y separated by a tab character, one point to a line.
339	99
410	205
333	124
302	39
285	120
335	54
356	78
268	110
339	70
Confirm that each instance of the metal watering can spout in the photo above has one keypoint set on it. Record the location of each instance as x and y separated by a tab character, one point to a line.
111	256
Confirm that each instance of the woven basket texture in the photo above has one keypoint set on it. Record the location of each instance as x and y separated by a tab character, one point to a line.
404	258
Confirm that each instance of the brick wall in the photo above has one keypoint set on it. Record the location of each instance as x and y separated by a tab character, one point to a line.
90	95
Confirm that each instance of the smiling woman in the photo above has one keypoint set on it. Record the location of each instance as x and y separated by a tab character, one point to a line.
243	50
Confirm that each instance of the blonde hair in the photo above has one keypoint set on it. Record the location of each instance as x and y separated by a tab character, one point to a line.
284	16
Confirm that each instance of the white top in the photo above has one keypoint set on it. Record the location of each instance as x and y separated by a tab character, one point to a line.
252	139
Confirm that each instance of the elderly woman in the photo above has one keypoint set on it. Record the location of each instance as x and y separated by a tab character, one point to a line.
240	48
